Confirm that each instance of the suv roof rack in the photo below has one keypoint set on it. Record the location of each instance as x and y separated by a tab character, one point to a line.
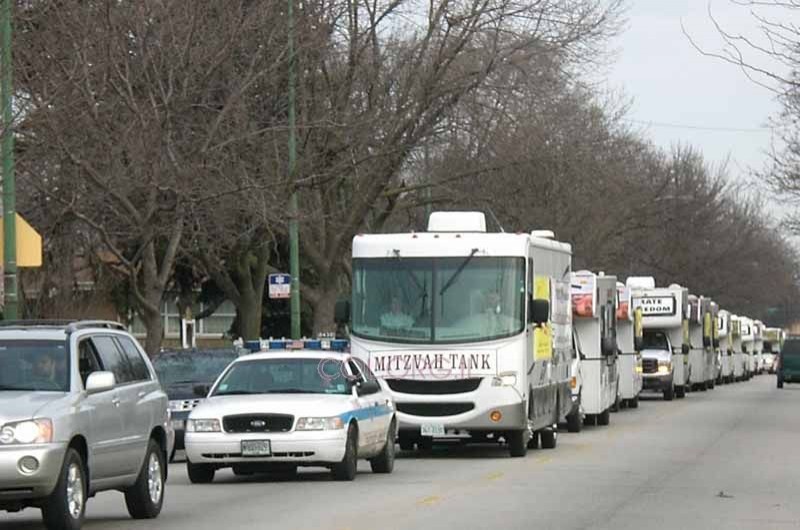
69	325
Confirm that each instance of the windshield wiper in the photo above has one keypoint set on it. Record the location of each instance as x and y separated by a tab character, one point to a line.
291	391
455	275
235	393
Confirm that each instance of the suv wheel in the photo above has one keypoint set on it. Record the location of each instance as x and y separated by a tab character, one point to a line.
146	497
200	473
65	508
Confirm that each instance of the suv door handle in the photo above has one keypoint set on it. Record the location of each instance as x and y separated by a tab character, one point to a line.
115	402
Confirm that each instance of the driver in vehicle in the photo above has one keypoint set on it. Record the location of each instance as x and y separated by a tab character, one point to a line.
396	318
44	368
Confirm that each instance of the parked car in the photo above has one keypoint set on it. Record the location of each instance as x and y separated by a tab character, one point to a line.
81	411
275	411
187	376
788	370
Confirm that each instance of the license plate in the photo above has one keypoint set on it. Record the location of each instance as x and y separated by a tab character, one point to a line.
256	448
432	429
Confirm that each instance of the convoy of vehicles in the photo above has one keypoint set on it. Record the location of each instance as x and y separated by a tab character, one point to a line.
456	335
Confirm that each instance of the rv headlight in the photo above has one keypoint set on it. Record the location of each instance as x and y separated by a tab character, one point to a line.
203	425
505	379
320	424
38	431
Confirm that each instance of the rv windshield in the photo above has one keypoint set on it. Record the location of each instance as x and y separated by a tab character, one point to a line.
438	300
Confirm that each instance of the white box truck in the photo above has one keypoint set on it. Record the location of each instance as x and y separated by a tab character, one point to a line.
470	330
629	341
773	342
725	336
665	343
594	314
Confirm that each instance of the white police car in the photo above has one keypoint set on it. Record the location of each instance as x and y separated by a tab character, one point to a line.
276	411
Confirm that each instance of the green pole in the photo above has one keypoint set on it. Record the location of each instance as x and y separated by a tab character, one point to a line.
294	244
9	197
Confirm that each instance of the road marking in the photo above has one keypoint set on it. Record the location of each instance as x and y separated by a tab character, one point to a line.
543	459
495	476
429	501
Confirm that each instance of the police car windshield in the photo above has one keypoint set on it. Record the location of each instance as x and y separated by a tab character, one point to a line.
438	300
284	376
34	365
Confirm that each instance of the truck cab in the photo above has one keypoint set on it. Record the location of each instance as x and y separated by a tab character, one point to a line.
658	371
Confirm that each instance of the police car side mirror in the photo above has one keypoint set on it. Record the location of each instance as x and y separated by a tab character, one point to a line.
539	311
201	390
364	388
341	312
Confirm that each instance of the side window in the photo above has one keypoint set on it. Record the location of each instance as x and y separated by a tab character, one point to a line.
366	373
357	375
88	361
113	359
139	369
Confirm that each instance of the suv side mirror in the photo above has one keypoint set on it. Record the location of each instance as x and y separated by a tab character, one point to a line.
685	349
201	390
341	312
539	311
100	382
364	388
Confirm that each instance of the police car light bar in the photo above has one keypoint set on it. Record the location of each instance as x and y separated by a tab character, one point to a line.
340	345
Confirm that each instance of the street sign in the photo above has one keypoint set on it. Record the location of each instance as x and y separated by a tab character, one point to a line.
280	286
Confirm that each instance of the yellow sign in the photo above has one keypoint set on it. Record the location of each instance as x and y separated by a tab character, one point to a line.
542	335
707	325
638	329
29	244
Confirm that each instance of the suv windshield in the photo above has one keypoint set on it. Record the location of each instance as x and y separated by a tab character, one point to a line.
34	365
438	300
191	367
284	376
654	340
791	347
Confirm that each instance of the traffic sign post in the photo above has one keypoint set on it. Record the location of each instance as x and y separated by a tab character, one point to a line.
280	286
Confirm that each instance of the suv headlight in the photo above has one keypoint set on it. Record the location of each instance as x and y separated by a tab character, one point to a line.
320	424
664	367
203	425
38	431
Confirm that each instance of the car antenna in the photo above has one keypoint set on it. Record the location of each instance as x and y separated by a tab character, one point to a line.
495	219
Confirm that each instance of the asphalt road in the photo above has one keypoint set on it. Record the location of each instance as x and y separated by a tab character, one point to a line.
728	458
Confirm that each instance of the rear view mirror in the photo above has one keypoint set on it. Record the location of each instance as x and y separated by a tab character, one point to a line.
685	349
364	388
201	390
608	346
638	342
100	382
341	312
539	311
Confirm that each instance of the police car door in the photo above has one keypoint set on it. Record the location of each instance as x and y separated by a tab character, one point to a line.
367	405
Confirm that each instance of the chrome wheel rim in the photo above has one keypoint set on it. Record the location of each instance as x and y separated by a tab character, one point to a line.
75	496
154	483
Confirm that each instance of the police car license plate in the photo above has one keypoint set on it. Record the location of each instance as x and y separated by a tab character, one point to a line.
256	448
432	429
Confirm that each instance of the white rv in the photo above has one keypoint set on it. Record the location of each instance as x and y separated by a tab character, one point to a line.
665	344
594	314
725	336
698	309
711	334
739	357
472	331
758	346
748	346
629	340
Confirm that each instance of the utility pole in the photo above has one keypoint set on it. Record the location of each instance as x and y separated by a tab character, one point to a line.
294	243
10	310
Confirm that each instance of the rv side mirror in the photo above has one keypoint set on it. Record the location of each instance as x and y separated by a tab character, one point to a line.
706	342
539	311
716	343
685	349
341	312
638	342
608	346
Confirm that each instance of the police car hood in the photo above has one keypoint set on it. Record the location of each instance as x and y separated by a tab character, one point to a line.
295	404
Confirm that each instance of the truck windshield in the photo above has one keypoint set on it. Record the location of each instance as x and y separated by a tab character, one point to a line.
33	365
438	300
654	340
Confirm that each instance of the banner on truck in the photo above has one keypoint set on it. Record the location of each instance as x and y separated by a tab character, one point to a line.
583	289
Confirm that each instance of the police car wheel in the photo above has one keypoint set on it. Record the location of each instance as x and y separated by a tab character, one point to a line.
346	469
384	462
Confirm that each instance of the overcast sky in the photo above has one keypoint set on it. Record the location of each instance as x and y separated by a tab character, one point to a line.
675	88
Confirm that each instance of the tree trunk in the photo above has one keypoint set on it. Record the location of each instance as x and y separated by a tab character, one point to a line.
154	324
324	305
249	308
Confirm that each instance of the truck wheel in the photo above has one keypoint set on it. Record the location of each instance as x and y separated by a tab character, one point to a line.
65	508
549	438
703	386
574	423
590	419
604	418
384	462
517	444
146	497
669	393
346	469
634	403
533	442
680	392
200	473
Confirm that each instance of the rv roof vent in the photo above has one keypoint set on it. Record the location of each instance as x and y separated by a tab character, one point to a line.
457	222
642	282
544	234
